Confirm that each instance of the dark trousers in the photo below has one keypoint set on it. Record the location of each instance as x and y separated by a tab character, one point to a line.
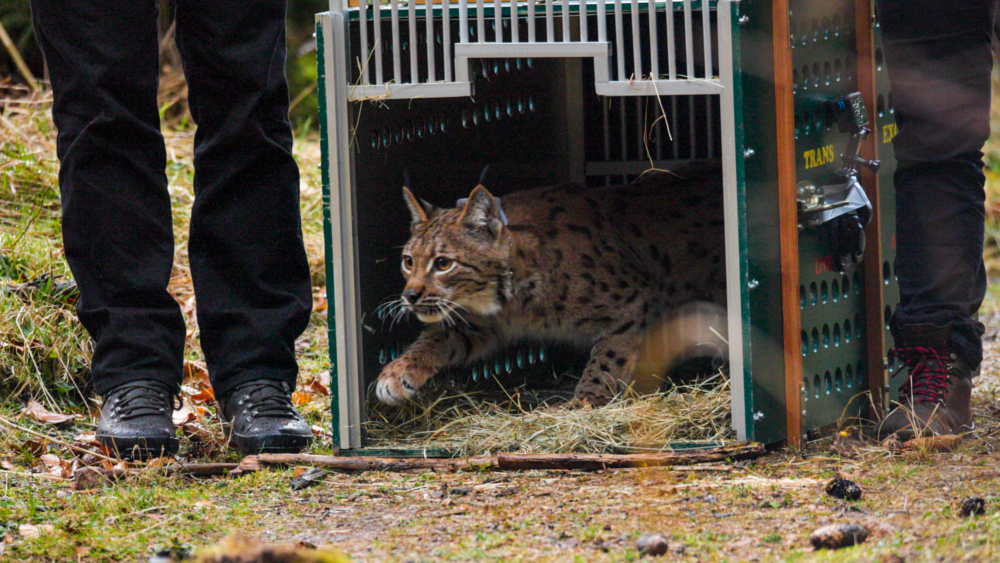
247	258
939	60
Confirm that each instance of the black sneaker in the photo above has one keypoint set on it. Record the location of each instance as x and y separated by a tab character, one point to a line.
259	417
136	421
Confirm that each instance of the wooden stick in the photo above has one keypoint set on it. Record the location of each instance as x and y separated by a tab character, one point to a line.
508	462
16	55
520	462
358	464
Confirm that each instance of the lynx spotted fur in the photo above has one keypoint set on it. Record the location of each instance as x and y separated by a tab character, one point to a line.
596	267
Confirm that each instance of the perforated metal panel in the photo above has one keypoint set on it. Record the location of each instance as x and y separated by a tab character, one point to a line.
833	347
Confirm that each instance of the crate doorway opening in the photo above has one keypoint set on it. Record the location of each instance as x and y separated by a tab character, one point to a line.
627	192
625	218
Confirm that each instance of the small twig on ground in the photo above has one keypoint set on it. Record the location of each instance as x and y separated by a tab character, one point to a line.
42	476
57	441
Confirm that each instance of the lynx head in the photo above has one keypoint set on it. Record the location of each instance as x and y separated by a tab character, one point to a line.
457	261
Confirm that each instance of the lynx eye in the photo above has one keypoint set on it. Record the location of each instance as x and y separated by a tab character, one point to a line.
407	263
443	264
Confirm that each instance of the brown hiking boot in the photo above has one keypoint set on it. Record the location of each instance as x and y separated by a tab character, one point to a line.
935	398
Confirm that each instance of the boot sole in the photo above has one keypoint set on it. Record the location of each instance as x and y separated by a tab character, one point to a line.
139	448
275	444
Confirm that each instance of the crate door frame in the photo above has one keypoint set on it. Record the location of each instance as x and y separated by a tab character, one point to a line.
338	171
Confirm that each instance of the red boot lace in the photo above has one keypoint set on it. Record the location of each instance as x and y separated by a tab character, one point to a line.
929	372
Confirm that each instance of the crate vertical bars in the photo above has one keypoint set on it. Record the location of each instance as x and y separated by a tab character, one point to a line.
429	30
446	38
412	43
365	55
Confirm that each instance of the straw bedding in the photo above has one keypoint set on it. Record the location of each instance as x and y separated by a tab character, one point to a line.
471	424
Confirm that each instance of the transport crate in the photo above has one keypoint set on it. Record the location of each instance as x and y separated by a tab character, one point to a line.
582	91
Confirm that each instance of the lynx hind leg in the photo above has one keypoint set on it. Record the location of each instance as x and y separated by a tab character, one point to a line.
609	370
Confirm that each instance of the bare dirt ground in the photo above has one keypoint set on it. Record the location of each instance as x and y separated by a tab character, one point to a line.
759	511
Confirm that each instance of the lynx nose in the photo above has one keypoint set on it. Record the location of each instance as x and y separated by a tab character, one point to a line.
411	296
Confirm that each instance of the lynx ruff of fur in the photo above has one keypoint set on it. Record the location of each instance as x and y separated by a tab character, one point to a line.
595	267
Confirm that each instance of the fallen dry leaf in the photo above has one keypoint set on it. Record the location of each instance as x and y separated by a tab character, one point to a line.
321	432
34	447
318	387
90	442
6	464
50	460
299	398
57	467
39	413
184	416
29	531
206	395
195	373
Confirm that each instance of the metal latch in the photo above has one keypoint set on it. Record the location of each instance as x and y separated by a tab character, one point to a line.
841	209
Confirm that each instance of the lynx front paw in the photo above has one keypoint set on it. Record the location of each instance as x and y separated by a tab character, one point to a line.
399	381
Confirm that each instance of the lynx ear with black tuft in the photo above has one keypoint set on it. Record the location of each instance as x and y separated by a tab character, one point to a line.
417	207
481	212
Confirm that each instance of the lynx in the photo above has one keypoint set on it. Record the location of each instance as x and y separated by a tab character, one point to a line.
598	267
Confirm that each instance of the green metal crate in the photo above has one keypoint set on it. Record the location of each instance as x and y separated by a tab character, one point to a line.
534	109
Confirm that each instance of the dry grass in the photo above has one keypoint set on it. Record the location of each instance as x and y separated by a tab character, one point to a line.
470	425
43	349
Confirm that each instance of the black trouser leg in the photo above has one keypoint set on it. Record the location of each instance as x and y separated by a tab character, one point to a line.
939	59
248	261
117	233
